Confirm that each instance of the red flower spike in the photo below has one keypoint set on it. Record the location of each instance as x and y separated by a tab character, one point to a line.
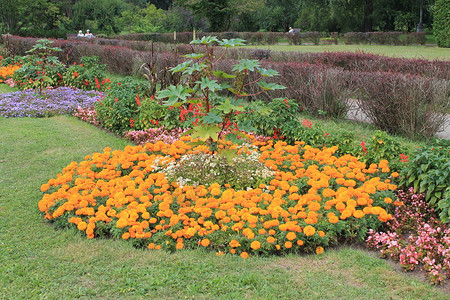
138	101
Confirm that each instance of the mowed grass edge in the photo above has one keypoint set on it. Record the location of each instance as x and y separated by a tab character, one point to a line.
413	51
37	261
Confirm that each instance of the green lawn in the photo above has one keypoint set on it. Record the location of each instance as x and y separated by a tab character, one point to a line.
37	261
6	88
428	52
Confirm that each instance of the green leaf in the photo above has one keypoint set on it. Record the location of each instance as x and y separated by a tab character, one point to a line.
246	64
204	132
212	118
213	86
246	126
270	86
227	106
206	40
222	74
181	67
174	93
195	67
268	72
194	55
232	43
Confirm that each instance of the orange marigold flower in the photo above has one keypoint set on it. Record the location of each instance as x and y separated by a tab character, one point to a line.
309	230
255	245
288	245
179	246
388	200
291	235
314	206
45	187
270	239
82	226
319	250
205	242
358	214
215	191
244	255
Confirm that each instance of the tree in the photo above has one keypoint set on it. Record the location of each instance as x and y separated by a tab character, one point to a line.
98	15
217	12
148	19
16	15
441	23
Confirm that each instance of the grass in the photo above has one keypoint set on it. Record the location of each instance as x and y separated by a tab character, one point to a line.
4	88
416	51
39	262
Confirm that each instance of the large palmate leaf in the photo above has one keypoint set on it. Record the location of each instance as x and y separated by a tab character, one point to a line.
174	93
231	43
212	85
181	67
227	106
268	72
206	40
246	64
270	86
212	118
204	132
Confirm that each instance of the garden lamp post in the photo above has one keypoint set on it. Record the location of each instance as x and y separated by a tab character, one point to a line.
420	24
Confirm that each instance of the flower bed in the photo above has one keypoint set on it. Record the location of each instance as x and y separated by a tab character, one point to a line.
51	102
416	238
314	199
7	72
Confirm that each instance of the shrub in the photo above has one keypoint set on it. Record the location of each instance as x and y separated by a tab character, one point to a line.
412	106
118	110
87	75
441	25
428	171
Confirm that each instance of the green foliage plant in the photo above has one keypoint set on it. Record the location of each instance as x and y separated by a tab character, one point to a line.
216	96
87	75
383	146
428	171
441	25
41	68
118	110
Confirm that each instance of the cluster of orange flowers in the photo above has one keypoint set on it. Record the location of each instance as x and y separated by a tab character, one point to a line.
313	198
8	71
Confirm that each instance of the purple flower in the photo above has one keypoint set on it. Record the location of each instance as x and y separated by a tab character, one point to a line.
58	101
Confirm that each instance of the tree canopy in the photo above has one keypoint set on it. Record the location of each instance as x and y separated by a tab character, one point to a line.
35	17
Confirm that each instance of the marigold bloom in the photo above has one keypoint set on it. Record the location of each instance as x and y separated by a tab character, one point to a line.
255	245
82	226
244	255
309	230
270	239
291	236
319	250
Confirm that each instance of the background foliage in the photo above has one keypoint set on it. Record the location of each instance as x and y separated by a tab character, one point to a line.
53	18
